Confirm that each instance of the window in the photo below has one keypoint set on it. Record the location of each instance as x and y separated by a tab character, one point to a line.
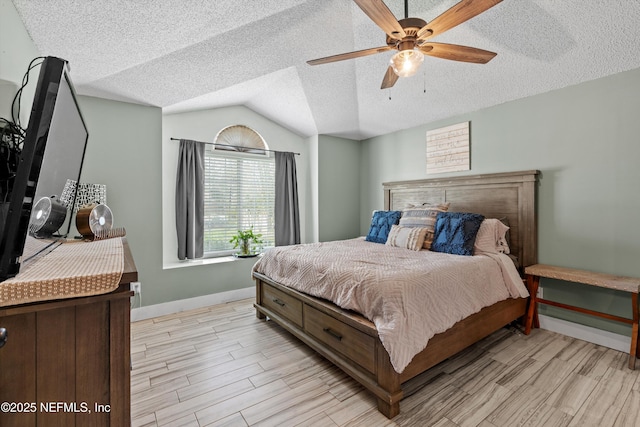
239	194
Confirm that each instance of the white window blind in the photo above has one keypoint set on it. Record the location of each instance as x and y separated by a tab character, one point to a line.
239	194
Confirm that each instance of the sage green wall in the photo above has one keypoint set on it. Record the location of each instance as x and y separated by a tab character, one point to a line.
338	188
16	52
124	152
585	141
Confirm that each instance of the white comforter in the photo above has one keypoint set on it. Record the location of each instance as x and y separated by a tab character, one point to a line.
410	296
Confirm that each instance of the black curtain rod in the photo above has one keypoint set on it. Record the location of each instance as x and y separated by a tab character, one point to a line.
234	146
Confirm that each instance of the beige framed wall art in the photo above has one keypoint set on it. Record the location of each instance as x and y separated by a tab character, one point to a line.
448	149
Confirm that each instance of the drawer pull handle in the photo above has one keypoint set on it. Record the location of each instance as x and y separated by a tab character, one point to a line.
277	301
333	333
3	337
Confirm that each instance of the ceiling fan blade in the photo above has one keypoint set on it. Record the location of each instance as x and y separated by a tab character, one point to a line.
390	78
383	17
349	55
456	52
456	15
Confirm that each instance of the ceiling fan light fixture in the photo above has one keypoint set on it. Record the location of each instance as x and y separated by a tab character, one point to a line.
406	62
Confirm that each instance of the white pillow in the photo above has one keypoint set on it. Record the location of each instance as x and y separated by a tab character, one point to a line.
407	237
491	237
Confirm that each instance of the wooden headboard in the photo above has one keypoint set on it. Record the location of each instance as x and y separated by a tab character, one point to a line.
510	195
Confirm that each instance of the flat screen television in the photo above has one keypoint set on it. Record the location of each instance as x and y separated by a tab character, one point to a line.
52	153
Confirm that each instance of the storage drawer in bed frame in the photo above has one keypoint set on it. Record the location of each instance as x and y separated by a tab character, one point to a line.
350	342
283	304
341	337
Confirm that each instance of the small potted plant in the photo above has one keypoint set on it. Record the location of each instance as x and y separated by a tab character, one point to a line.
244	240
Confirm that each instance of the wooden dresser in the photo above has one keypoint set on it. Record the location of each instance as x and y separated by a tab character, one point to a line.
66	362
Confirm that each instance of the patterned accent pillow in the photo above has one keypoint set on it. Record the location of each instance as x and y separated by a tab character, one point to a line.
491	237
456	232
423	217
407	237
381	225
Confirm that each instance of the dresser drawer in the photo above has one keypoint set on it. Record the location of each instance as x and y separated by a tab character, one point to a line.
344	339
283	304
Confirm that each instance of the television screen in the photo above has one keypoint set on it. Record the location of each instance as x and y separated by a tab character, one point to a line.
52	154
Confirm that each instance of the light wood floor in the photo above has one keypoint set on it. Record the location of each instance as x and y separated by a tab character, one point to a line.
221	366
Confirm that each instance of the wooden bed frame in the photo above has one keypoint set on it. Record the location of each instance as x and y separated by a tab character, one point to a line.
351	342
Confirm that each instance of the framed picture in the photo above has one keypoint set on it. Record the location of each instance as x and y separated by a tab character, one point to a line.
448	149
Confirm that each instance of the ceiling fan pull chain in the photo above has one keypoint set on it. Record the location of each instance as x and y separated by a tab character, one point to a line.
424	74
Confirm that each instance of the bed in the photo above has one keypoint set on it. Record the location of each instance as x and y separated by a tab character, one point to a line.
354	344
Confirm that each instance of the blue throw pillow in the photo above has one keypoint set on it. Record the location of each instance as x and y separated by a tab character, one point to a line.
456	232
381	225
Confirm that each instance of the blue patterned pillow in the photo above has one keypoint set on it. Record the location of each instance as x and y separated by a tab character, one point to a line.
456	232
381	225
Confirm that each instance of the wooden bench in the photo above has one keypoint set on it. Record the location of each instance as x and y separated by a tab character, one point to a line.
625	284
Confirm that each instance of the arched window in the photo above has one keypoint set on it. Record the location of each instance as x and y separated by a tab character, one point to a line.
242	139
239	189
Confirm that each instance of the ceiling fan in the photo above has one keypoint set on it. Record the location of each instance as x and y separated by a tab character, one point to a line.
409	36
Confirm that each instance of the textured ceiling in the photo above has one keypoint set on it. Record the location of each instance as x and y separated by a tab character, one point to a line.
195	54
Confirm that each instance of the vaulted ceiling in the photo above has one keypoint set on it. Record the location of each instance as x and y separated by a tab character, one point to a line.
196	54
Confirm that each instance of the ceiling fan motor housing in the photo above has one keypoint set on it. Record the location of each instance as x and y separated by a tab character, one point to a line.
411	27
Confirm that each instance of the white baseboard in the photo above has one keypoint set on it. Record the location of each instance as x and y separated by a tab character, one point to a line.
586	333
171	307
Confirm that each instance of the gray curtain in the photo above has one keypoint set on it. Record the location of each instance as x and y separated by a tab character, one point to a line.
287	225
190	200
